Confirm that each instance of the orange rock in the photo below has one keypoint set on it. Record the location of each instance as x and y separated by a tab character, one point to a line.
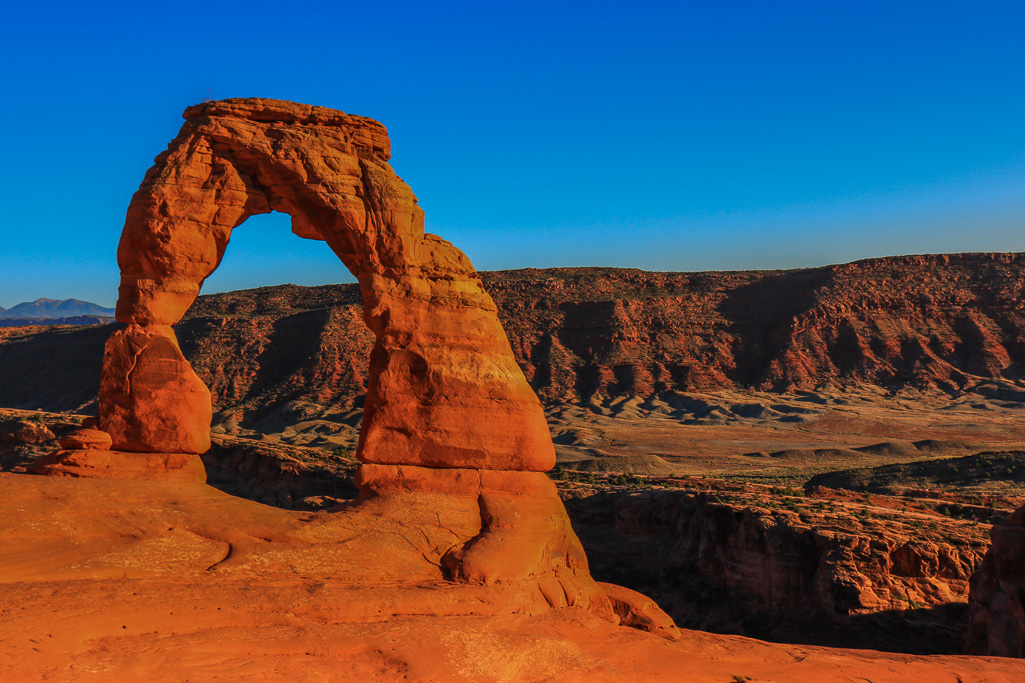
150	399
637	610
444	388
27	432
525	532
85	439
196	584
453	439
107	464
515	527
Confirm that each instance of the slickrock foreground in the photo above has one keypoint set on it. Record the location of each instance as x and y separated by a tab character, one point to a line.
170	581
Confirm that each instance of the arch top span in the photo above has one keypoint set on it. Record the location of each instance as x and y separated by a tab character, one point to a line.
236	158
367	137
444	389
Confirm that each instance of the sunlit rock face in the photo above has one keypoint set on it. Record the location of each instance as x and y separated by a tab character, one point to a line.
444	390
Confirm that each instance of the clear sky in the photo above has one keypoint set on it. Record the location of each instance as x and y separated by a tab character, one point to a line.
667	136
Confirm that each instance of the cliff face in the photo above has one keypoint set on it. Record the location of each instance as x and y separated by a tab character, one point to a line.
843	577
261	348
928	321
945	322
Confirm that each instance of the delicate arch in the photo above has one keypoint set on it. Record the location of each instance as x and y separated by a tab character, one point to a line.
444	389
450	429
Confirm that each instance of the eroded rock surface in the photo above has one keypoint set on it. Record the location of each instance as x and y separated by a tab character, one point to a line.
577	332
748	561
195	584
24	432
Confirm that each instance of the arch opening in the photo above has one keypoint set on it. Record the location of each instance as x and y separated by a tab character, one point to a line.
263	251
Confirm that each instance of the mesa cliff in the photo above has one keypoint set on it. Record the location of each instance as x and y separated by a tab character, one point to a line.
947	323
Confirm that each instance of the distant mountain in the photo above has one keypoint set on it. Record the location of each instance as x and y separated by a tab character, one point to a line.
53	309
71	320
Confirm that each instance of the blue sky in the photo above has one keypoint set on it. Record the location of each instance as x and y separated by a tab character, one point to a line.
667	136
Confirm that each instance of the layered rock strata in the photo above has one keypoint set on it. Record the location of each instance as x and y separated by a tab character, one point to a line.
842	577
576	332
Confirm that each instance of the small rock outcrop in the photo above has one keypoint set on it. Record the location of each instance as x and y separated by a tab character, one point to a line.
997	598
25	431
86	439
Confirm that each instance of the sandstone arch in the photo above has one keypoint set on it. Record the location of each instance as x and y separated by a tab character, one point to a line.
453	440
445	390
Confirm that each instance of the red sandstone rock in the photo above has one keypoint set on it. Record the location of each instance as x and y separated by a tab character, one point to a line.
85	439
194	584
724	566
996	623
449	418
150	399
107	464
444	390
577	331
516	527
27	432
639	611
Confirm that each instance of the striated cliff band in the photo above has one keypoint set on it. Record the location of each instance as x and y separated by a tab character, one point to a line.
949	323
